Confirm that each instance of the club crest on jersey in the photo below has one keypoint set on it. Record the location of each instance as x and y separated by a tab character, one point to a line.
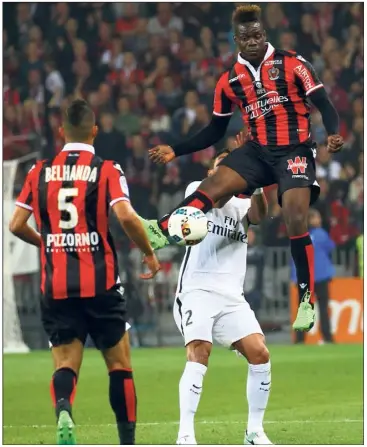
273	73
298	165
259	88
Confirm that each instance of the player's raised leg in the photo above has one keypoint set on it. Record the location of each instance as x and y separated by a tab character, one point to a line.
224	182
295	205
67	360
258	385
122	389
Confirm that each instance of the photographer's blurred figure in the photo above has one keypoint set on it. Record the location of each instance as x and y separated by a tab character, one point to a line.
324	273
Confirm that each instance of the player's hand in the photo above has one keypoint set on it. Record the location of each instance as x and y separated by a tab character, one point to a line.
153	265
241	138
161	154
334	143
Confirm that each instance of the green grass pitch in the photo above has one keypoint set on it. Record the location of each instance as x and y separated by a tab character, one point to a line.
316	397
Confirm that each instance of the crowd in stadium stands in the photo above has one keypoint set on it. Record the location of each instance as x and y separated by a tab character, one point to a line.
149	71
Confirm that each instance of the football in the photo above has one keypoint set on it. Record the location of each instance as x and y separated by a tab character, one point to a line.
187	226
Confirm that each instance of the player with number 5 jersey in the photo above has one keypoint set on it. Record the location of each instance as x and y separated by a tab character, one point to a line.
71	196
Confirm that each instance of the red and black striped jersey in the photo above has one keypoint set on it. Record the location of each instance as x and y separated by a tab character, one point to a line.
70	197
271	97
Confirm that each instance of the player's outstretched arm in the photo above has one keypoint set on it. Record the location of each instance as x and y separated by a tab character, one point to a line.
208	136
19	227
132	226
259	207
330	118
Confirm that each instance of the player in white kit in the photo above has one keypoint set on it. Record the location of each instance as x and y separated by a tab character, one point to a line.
210	304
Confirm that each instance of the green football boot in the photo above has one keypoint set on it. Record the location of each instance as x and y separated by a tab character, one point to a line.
305	315
65	434
156	238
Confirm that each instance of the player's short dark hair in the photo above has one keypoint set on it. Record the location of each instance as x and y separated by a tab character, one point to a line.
245	14
78	120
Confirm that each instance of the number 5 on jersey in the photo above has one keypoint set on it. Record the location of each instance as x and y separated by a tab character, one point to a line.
68	207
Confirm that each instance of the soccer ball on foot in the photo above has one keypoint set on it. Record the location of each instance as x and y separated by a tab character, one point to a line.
187	226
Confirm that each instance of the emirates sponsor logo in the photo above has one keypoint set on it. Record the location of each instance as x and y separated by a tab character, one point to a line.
228	230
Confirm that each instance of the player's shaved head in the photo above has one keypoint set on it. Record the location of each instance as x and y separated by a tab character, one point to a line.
249	33
79	122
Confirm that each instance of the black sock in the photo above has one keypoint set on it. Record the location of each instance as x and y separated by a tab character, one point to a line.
123	402
303	256
63	389
197	199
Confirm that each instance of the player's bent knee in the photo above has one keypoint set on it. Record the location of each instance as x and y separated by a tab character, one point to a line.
198	351
118	357
259	355
296	220
68	356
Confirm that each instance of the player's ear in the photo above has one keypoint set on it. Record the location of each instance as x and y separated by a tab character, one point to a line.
210	172
62	132
94	131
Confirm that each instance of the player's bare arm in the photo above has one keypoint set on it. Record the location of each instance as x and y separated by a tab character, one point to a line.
330	118
259	207
208	136
132	226
19	227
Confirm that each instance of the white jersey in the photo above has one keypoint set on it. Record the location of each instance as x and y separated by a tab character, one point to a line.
218	263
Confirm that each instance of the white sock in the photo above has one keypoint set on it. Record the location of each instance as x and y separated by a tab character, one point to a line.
258	390
191	385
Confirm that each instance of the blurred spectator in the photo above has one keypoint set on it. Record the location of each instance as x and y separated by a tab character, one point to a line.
164	21
170	95
113	57
160	120
324	272
170	189
109	143
326	167
126	121
54	84
186	114
140	176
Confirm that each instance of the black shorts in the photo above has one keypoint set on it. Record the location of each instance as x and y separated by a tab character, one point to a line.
102	317
288	166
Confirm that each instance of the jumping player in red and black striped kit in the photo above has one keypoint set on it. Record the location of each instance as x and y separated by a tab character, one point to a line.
70	197
272	88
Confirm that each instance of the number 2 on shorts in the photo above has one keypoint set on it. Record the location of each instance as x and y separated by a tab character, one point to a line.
189	315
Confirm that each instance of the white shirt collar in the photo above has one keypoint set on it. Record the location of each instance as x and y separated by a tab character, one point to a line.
78	147
268	53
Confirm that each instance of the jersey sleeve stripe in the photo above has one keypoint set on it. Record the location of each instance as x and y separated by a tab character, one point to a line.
24	205
119	199
222	114
314	88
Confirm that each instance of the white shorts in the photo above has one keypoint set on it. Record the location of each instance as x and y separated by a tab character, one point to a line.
203	315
